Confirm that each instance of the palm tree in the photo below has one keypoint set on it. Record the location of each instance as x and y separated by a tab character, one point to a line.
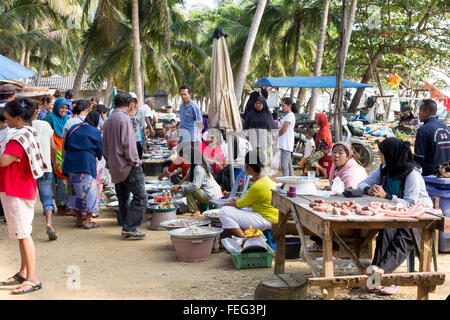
136	51
240	78
319	57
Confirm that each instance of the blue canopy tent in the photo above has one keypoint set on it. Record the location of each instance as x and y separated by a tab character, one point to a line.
12	70
307	82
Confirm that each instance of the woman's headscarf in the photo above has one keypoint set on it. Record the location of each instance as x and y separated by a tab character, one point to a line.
205	125
260	119
250	105
93	118
398	157
58	121
346	146
324	132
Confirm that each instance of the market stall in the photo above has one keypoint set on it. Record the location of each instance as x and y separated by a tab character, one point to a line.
327	225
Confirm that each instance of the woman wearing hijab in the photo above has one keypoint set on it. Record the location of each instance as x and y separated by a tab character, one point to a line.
82	145
350	172
345	166
399	179
204	128
324	143
57	120
258	124
250	105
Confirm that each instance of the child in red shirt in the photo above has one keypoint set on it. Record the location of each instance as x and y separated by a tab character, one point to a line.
20	165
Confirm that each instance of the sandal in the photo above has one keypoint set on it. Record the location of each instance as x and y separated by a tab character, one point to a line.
93	225
34	287
18	279
51	234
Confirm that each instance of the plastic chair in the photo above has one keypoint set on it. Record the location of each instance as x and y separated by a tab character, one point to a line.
219	203
270	241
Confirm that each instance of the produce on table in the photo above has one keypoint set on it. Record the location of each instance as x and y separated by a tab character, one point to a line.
373	208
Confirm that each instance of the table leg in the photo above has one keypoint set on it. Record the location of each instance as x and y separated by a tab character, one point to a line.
425	261
280	251
328	269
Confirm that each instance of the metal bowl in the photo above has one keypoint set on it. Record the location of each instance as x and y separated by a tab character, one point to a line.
211	214
206	232
189	222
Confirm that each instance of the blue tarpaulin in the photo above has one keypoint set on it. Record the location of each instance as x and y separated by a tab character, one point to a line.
307	82
12	70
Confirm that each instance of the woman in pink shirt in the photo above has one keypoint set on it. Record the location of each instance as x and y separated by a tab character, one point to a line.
345	166
212	151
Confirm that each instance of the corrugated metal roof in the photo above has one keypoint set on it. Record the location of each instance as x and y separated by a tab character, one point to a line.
64	83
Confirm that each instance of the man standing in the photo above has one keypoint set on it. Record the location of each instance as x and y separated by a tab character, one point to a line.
122	161
149	113
190	117
7	94
432	146
70	97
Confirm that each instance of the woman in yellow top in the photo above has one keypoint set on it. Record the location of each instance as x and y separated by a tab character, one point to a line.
255	208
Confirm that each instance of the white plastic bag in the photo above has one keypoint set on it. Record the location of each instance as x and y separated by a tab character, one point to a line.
371	115
273	101
338	186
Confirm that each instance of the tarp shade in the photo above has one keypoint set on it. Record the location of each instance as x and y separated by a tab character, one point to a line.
307	82
12	70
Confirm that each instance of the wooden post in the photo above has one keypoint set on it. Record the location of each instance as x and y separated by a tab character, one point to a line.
280	251
328	257
425	261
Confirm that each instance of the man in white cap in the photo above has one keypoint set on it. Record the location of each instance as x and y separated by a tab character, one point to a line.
149	113
138	120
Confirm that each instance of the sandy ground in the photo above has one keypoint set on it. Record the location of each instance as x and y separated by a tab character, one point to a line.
112	268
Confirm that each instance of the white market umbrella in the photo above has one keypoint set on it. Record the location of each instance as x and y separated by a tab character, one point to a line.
223	109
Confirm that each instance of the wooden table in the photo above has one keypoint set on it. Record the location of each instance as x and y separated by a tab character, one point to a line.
325	226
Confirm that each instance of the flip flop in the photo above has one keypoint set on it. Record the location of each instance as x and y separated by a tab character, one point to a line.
18	279
34	287
92	226
52	234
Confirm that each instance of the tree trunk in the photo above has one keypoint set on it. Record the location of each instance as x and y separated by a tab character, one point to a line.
23	51
41	67
84	59
242	75
81	68
319	58
297	20
348	15
301	96
107	96
28	57
365	79
137	52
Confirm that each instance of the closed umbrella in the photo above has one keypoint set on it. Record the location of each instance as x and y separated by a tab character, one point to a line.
12	70
223	110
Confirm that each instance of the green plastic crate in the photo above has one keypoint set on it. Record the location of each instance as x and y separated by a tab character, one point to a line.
253	259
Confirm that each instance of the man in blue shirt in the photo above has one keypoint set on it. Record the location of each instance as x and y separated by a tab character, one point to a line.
432	146
190	117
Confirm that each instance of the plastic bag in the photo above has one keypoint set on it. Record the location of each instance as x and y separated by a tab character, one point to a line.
273	101
370	116
338	186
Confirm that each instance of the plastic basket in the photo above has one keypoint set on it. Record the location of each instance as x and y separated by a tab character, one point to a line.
253	259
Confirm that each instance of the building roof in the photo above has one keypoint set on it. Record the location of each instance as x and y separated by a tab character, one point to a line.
65	83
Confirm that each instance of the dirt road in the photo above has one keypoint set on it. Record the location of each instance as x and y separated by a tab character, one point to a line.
112	268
